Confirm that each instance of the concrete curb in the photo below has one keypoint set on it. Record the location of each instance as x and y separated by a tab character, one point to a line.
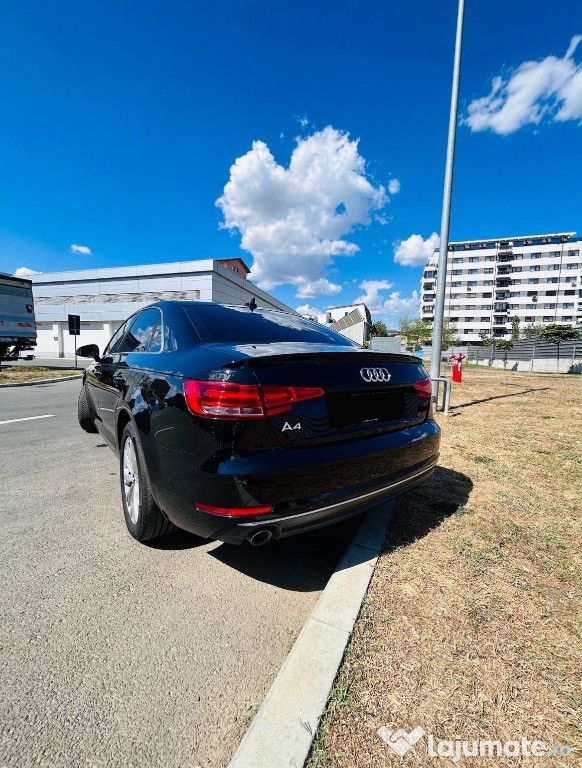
283	729
41	381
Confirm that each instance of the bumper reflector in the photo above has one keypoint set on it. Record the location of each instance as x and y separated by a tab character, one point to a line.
233	511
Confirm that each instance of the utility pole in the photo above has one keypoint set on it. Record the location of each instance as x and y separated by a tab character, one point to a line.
437	328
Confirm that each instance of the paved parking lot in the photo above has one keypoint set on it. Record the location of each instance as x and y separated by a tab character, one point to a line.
119	654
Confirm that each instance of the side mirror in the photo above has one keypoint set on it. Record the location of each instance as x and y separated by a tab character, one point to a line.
89	350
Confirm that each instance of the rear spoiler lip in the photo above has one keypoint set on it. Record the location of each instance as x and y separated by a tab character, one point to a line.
260	358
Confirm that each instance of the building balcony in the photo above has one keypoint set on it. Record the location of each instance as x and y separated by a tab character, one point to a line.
500	307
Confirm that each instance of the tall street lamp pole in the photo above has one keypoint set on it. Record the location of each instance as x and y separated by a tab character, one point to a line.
437	330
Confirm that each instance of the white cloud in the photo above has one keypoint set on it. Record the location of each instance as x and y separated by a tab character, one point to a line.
372	298
396	305
548	89
388	309
294	219
321	287
306	309
394	186
25	272
414	251
82	249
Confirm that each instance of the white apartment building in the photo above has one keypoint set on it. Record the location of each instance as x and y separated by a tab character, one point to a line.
537	278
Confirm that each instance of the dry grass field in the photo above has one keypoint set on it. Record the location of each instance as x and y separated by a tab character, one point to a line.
16	373
471	627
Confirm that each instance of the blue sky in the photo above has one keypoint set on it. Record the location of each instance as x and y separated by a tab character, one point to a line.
121	122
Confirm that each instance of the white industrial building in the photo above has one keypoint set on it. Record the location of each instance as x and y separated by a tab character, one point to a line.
537	278
353	321
104	298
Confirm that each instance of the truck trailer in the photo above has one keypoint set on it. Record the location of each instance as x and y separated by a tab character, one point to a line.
17	321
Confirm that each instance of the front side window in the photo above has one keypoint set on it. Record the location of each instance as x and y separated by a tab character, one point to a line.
116	340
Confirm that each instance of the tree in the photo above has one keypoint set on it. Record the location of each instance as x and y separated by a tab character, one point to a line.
379	329
416	332
505	345
555	334
450	338
532	330
515	328
487	339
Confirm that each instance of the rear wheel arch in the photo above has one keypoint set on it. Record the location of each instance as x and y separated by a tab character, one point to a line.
122	421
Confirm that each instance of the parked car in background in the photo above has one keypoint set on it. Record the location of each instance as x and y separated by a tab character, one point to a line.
239	425
17	321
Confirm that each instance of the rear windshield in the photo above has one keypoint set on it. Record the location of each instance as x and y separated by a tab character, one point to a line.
217	324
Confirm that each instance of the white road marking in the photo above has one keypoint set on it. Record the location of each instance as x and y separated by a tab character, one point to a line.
28	418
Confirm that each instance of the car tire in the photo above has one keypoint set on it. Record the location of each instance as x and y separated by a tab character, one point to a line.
144	519
86	411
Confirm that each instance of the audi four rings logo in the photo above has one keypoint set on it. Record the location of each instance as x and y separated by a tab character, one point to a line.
375	374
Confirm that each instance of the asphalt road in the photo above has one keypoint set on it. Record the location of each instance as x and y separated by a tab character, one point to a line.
114	653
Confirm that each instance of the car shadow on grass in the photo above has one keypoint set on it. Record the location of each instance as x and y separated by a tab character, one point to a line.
445	493
305	562
498	397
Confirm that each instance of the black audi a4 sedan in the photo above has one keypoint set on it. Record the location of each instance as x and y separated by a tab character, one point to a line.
240	423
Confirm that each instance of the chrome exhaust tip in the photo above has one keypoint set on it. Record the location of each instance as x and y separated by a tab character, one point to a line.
260	537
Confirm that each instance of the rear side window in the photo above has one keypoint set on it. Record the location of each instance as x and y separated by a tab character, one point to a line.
140	332
156	340
218	324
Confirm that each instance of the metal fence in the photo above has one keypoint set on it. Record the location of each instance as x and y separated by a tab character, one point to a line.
533	355
525	355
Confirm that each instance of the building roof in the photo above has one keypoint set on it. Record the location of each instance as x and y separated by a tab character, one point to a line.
137	270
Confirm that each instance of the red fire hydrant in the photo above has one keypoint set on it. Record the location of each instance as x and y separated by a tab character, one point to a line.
458	358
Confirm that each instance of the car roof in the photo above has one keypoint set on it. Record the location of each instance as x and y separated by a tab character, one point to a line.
197	303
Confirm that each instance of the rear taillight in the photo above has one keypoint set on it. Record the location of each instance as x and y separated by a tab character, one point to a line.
233	511
423	387
227	400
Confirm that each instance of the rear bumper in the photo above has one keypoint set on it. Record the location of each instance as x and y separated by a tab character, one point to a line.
291	525
308	488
